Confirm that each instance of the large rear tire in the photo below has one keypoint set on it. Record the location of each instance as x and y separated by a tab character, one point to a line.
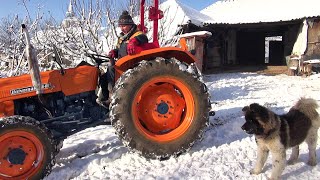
160	108
27	149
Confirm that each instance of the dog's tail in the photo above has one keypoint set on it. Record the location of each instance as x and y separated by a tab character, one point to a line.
308	106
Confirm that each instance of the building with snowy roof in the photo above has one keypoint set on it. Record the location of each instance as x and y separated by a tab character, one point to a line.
257	32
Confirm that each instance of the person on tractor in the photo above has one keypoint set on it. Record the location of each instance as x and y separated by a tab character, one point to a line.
130	37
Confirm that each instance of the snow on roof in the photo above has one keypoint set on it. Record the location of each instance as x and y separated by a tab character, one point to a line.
175	14
255	11
183	13
197	33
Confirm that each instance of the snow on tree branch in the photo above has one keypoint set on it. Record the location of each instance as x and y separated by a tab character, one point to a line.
89	26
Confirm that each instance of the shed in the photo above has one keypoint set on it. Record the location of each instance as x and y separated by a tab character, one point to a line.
258	32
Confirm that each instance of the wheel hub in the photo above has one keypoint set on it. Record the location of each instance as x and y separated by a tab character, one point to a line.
160	108
21	154
16	156
163	108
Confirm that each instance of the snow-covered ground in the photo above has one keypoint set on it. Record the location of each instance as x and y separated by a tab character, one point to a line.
226	152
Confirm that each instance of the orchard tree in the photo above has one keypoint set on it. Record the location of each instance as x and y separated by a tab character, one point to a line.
90	27
12	45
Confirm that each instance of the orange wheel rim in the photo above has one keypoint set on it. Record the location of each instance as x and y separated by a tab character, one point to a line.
21	155
163	109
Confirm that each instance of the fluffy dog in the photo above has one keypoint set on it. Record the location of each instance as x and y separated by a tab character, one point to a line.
275	133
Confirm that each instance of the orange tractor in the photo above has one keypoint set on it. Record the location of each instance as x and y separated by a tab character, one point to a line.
159	106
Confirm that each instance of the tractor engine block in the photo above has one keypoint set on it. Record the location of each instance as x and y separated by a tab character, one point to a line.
62	114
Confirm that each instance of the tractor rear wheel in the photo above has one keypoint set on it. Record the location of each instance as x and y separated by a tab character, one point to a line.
160	108
27	149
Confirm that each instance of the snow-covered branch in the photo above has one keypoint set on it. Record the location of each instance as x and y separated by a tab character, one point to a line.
90	26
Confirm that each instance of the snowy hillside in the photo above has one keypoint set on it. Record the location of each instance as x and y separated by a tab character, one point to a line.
226	152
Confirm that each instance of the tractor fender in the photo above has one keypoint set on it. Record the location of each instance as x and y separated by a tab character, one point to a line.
130	61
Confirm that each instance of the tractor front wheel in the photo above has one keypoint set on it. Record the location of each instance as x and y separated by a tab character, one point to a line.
160	108
27	149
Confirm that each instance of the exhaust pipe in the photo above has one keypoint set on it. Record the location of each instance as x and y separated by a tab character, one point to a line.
32	61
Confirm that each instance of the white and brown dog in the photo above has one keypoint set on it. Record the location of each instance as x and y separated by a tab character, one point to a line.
276	133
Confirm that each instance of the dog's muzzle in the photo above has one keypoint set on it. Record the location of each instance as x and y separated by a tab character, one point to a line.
247	129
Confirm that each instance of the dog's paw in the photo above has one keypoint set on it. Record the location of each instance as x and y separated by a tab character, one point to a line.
254	171
312	162
270	178
273	177
292	161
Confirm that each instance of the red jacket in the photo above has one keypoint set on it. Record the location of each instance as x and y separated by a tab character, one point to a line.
124	39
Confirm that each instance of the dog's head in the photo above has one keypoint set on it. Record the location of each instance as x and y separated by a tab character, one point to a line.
257	119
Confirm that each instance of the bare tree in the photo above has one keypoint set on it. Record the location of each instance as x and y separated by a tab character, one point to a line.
12	44
91	28
10	47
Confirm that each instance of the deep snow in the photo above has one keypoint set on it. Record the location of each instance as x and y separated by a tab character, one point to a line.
225	152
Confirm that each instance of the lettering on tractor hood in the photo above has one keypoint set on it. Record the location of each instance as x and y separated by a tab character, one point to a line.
28	89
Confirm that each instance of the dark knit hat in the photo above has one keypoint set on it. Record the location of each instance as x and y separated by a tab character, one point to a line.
125	19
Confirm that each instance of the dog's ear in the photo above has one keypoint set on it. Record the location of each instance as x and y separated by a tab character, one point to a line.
245	109
255	107
259	110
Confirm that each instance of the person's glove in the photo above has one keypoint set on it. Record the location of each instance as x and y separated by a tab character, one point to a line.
113	53
131	47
